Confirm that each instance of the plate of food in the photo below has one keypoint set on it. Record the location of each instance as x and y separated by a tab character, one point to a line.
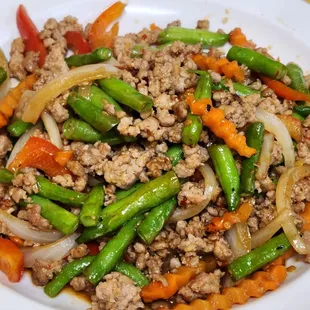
154	155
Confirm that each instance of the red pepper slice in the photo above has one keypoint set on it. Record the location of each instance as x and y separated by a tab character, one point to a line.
29	33
38	153
93	247
11	260
77	42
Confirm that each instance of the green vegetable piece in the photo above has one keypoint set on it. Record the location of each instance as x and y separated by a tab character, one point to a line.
126	94
133	273
60	218
303	110
175	153
296	75
227	173
192	129
254	138
71	270
204	86
193	36
93	115
98	55
122	193
220	86
90	212
3	75
257	62
296	115
52	191
259	257
6	176
242	90
155	220
137	50
18	127
112	252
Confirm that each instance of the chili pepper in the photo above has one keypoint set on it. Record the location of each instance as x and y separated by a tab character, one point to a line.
71	270
93	247
259	257
155	220
293	125
77	42
257	62
227	173
18	127
3	75
93	115
122	193
126	94
148	196
90	212
193	36
52	191
6	176
30	35
11	260
303	110
175	153
60	218
98	55
296	75
254	138
112	252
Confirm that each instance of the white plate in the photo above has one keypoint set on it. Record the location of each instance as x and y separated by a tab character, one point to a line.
283	26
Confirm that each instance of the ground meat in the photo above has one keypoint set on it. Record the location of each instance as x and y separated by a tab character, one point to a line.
30	62
286	80
5	145
303	152
264	210
157	165
117	292
222	250
43	271
301	191
27	180
16	63
176	23
146	36
80	251
203	24
195	226
64	180
276	155
57	109
80	284
191	194
32	214
180	109
201	286
196	244
109	194
17	194
273	105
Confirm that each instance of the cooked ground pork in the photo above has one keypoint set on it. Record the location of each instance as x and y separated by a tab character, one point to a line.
16	63
5	145
27	180
81	284
32	214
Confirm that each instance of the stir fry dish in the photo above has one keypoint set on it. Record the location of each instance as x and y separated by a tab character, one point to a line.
151	170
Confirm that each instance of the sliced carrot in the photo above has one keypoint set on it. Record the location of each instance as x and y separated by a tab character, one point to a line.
237	37
154	27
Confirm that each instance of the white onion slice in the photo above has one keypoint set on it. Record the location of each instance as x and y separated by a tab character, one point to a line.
52	129
265	156
5	87
112	61
274	125
53	252
22	229
23	101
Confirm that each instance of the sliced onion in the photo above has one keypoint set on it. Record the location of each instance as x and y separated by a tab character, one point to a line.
23	101
274	125
262	235
62	83
112	61
5	86
21	142
211	185
53	252
22	229
265	156
239	239
283	201
52	129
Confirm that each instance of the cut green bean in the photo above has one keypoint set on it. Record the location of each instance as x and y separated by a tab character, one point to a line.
204	86
126	94
112	252
296	75
192	129
175	153
6	176
90	212
296	115
3	75
240	89
193	36
155	220
303	110
18	127
122	193
98	55
257	62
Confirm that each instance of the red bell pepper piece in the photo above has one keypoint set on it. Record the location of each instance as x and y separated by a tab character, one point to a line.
62	157
77	42
30	35
11	260
38	153
93	247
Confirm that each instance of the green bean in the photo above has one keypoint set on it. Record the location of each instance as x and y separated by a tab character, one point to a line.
155	220
90	212
132	272
6	176
296	75
60	218
175	153
93	115
193	36
240	89
296	115
122	193
3	75
112	252
71	270
303	110
259	257
192	129
98	55
126	94
52	191
137	50
204	86
227	173
148	196
257	62
254	138
18	127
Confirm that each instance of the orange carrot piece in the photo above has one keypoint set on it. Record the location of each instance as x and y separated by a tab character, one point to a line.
306	216
293	125
62	157
154	27
237	37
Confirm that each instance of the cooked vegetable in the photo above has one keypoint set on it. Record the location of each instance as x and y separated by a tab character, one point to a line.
237	37
60	218
6	176
175	153
303	110
18	127
5	86
264	160
155	220
254	138
122	193
3	76
298	116
100	54
296	75
257	62
240	89
52	129
63	157
77	42
192	36
306	216
293	125
112	252
227	173
93	115
90	212
126	94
